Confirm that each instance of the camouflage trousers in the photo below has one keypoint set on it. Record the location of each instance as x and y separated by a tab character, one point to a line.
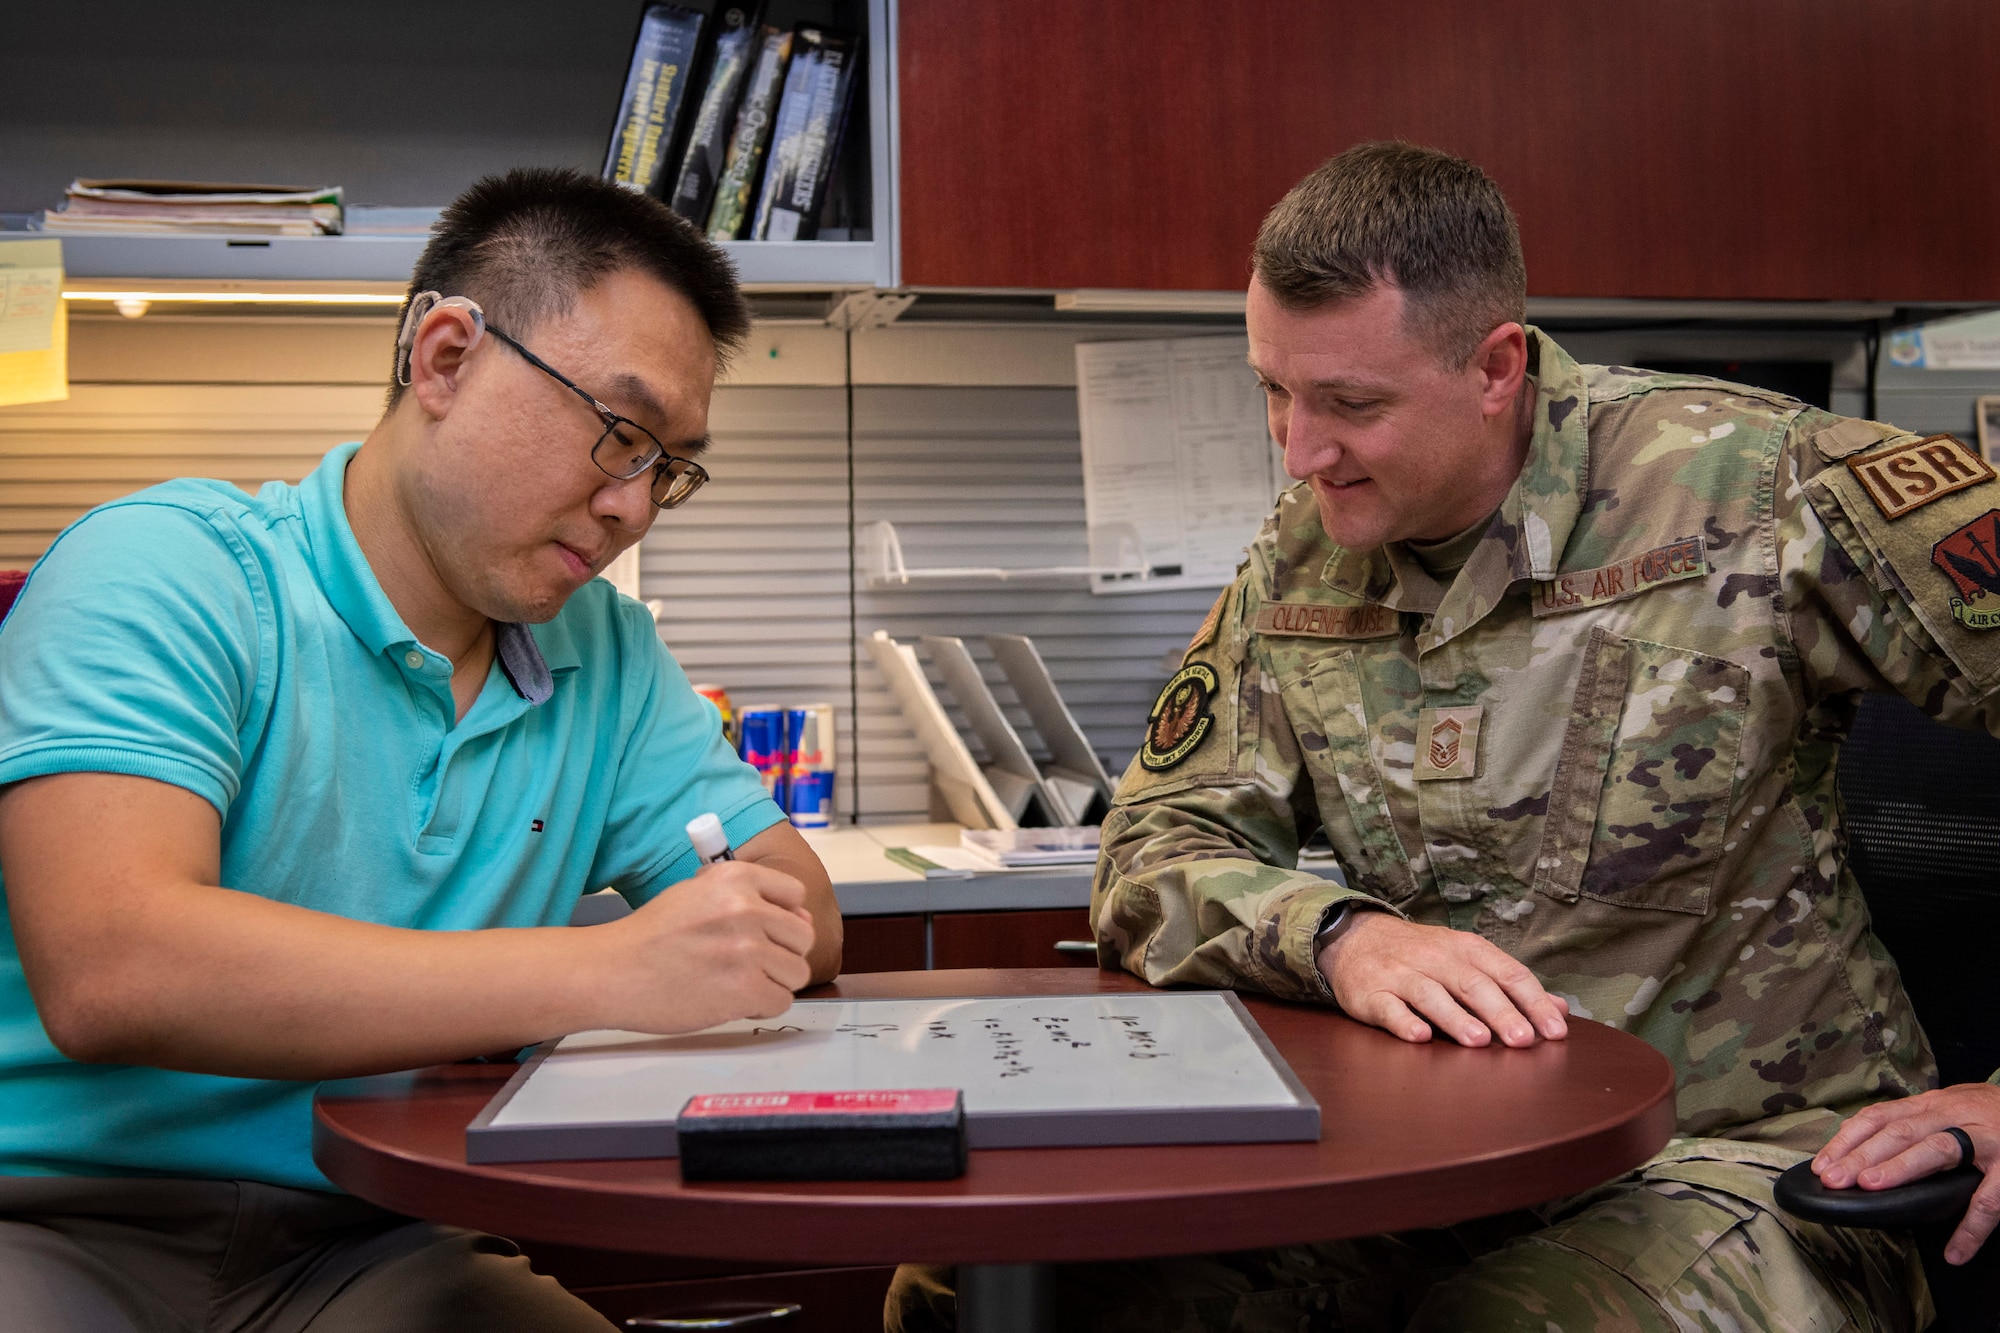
1690	1241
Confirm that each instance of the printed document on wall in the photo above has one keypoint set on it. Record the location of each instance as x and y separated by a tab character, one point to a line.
1179	468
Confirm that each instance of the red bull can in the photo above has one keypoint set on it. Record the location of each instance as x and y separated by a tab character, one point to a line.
764	749
718	696
809	765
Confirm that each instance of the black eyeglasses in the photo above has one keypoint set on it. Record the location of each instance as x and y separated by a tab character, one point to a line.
626	448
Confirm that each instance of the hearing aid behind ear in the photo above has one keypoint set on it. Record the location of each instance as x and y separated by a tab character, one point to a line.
420	305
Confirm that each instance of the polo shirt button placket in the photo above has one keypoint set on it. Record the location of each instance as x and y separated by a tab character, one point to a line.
413	659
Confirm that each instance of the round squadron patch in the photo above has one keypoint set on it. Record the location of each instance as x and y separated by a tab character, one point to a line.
1180	719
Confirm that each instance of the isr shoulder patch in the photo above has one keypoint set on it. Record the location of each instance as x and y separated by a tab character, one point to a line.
1181	718
1908	476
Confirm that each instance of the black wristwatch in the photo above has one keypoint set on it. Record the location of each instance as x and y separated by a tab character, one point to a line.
1330	931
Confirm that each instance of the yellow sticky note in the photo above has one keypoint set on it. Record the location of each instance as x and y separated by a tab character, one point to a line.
31	276
38	377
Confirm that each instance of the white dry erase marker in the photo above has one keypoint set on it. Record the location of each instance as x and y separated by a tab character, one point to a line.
711	844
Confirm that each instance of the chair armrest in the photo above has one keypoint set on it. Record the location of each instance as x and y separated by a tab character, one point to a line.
1936	1200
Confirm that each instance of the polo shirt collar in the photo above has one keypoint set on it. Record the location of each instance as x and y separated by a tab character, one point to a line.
528	655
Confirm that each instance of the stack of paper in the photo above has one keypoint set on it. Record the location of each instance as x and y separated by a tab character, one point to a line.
179	207
1070	846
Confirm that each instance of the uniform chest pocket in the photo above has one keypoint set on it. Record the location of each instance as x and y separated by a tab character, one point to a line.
1324	707
1640	804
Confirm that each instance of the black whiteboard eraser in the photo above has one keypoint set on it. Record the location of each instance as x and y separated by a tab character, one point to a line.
908	1134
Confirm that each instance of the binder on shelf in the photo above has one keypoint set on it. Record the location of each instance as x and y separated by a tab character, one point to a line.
734	51
967	793
811	120
736	193
649	111
1074	769
1031	801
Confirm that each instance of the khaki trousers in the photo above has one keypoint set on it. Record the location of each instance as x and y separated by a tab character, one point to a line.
205	1256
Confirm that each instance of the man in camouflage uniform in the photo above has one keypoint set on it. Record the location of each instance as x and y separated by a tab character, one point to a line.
1560	657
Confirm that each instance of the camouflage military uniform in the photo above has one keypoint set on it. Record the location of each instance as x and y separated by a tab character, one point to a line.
1608	746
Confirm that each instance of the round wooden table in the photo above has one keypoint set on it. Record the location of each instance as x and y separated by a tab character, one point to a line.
1411	1136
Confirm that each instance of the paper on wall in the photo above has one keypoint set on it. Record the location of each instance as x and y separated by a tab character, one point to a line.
1964	342
29	298
1175	448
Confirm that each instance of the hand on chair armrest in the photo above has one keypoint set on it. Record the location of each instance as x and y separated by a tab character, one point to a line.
1908	1169
1933	1200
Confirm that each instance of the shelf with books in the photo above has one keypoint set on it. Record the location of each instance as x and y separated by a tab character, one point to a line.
769	124
849	160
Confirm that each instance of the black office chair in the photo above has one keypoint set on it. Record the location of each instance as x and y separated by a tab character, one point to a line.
1923	824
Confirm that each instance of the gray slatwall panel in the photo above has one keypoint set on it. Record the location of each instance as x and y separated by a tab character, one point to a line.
751	577
994	476
107	440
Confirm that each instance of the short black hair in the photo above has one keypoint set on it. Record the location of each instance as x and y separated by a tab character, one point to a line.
525	244
1433	224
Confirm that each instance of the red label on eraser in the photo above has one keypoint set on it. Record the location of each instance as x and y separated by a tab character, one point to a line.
912	1101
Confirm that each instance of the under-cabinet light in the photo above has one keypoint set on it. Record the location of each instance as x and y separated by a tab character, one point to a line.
244	298
1151	302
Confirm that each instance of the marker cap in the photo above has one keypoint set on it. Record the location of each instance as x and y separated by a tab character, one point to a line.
710	842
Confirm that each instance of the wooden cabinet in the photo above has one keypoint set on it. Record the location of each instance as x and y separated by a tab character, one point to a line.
1789	149
1012	939
882	944
1052	938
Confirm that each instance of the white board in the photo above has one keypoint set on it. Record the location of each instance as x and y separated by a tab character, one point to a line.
1176	447
1037	1071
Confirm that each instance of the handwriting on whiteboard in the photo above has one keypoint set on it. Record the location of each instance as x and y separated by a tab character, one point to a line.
1008	1054
1011	1050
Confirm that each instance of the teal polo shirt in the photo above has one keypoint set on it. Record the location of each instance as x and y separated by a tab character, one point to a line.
242	649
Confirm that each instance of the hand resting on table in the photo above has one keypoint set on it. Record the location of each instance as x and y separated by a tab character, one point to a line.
1410	979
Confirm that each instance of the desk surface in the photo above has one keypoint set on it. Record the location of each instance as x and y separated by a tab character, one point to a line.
1413	1136
867	883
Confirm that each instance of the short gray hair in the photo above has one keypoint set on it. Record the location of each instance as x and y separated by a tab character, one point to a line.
1434	225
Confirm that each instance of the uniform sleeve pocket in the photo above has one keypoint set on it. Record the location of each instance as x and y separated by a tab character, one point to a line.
1639	808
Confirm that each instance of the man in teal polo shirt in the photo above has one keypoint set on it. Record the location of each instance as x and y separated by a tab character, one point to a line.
306	785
